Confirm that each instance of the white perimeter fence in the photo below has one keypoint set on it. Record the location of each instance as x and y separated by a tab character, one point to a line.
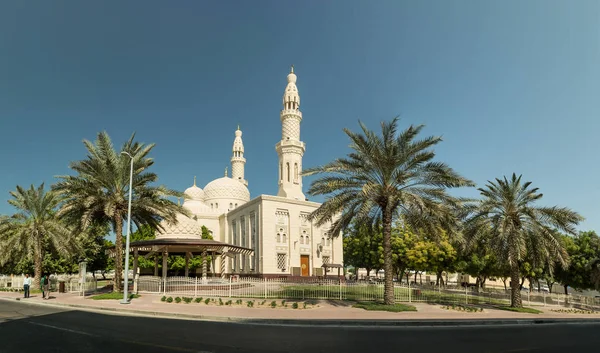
73	284
334	289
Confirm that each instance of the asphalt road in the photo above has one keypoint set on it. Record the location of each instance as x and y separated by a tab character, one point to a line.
34	328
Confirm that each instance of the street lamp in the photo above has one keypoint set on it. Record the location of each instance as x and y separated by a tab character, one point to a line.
126	275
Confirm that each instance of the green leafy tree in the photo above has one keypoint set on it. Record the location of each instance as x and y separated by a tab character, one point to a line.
35	223
98	193
520	230
387	176
363	247
402	241
206	234
583	250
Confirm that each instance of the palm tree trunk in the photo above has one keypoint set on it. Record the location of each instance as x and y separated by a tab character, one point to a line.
118	253
388	265
37	261
515	286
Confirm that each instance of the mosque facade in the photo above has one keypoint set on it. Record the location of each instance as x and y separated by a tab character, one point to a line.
275	227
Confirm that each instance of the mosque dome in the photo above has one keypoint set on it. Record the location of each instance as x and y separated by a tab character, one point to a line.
226	188
194	192
186	228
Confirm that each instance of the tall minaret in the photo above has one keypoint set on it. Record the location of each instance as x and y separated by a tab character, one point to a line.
237	158
290	149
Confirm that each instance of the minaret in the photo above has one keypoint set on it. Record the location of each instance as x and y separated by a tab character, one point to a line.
290	149
237	158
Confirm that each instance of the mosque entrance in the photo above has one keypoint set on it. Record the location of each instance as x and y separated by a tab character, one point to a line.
304	265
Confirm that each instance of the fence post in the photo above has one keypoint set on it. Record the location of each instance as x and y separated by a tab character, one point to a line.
544	295
409	292
466	294
196	288
229	286
340	289
265	287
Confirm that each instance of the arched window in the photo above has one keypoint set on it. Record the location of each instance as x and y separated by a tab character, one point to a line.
302	239
279	237
295	171
284	238
287	165
236	205
216	205
230	206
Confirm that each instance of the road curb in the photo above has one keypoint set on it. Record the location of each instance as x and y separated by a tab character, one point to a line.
324	322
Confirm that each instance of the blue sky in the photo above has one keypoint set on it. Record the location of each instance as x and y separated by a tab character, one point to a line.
513	86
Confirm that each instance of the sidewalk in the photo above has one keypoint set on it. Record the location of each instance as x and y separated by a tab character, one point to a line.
331	312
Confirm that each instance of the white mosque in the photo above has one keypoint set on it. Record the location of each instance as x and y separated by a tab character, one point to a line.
276	228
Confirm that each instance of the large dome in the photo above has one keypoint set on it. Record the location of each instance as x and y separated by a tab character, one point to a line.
226	188
186	228
194	193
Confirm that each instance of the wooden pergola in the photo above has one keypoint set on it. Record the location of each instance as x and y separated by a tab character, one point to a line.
338	266
186	247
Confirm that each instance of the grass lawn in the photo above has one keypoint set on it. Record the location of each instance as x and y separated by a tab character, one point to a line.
103	283
395	308
113	296
374	292
518	310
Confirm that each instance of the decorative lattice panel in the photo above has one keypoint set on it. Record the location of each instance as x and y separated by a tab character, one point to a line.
281	261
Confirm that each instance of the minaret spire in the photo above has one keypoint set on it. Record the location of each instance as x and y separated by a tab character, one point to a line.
194	180
290	149
237	158
226	172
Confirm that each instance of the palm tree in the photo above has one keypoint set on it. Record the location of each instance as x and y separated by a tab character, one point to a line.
98	193
520	230
33	227
387	177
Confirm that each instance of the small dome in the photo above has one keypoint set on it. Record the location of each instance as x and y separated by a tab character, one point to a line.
226	188
291	78
194	192
186	228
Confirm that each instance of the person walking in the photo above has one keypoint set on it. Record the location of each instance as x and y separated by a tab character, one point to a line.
26	285
45	282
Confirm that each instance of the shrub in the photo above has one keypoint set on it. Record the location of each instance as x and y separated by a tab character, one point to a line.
207	301
250	303
273	304
239	302
164	298
169	299
283	303
304	306
220	301
187	300
263	302
177	300
295	306
229	302
198	300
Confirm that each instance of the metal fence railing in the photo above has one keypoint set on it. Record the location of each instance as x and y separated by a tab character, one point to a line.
335	289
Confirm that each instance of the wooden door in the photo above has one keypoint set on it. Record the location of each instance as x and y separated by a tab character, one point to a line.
304	265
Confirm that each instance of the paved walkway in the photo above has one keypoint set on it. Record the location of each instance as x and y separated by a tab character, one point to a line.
324	310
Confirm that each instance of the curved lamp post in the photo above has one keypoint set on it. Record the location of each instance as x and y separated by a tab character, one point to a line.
126	274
